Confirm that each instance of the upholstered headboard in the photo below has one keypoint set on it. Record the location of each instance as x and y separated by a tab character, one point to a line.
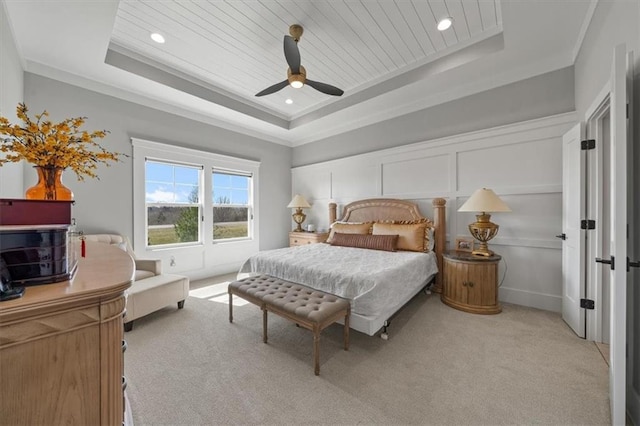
390	209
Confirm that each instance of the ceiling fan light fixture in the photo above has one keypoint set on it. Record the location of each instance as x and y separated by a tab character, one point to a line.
297	80
157	37
445	23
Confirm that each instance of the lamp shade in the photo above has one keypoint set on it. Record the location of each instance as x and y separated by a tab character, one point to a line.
484	200
298	202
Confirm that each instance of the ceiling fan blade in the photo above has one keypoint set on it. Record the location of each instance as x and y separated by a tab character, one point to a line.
292	54
324	88
273	89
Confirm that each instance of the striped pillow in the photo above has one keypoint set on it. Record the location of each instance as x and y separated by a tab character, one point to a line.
373	242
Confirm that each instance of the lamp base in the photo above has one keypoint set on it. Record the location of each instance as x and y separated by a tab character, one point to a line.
488	253
298	218
483	230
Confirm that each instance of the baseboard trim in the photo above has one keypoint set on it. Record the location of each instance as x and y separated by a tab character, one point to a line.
547	302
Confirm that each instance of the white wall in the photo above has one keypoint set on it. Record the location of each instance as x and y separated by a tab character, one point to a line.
11	92
522	162
106	205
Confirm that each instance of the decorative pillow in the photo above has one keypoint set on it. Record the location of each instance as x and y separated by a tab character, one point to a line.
410	237
430	238
349	228
429	231
373	242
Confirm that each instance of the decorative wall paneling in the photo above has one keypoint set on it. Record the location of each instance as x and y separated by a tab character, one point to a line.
521	162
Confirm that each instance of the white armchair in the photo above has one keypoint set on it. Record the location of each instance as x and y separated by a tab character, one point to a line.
151	289
145	268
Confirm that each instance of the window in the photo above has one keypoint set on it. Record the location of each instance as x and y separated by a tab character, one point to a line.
231	199
173	202
185	200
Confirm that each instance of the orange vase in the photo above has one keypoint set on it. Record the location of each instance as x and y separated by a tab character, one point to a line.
49	186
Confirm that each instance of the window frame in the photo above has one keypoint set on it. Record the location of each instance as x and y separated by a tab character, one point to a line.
160	152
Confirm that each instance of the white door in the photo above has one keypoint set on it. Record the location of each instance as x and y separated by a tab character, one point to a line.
633	290
619	194
573	246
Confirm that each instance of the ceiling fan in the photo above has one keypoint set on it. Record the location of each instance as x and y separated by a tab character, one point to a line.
296	74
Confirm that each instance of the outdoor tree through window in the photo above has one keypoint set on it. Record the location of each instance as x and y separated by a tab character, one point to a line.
231	204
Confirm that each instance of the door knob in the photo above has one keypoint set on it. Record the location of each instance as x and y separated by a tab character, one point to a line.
631	264
611	262
562	236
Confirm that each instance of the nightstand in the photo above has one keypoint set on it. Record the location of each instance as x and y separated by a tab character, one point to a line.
302	238
471	282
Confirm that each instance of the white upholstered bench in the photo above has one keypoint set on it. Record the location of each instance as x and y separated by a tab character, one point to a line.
307	307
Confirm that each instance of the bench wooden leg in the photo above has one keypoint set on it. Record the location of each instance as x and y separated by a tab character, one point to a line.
264	325
346	331
316	350
230	307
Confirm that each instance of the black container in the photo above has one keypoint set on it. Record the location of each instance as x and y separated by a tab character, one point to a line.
36	255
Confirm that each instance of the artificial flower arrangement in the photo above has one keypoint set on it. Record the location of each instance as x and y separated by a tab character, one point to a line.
54	145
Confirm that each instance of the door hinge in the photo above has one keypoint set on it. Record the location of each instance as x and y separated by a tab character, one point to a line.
587	304
627	111
587	144
587	224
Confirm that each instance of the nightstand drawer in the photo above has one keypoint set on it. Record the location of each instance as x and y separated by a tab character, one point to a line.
303	238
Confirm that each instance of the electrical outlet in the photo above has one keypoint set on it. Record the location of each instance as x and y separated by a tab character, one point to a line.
172	261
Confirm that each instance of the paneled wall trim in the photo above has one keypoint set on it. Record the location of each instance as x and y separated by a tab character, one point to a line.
521	162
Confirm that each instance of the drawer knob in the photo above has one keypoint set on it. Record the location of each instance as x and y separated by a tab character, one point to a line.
470	284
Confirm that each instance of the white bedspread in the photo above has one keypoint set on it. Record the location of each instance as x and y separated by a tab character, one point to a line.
371	279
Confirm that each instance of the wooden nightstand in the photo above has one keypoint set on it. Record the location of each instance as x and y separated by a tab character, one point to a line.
302	238
471	282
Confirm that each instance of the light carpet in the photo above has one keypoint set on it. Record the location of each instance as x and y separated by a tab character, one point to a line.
439	366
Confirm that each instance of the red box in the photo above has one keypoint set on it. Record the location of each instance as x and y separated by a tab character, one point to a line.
34	212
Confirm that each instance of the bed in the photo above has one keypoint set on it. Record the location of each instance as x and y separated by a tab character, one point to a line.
377	283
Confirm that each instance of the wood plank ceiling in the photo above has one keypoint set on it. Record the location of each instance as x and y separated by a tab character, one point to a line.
352	44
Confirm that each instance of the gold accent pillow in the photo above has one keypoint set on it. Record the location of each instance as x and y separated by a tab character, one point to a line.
349	228
410	237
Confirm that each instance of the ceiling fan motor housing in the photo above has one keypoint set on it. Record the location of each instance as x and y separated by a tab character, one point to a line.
296	31
301	77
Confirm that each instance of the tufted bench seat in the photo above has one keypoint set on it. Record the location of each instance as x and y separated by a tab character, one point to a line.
309	308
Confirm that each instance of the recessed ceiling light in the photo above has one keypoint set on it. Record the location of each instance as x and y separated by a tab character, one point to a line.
158	38
288	101
445	23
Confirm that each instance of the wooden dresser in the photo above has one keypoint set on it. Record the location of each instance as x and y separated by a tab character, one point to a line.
61	346
302	238
471	282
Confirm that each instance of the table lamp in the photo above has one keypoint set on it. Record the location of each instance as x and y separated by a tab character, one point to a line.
484	201
298	203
